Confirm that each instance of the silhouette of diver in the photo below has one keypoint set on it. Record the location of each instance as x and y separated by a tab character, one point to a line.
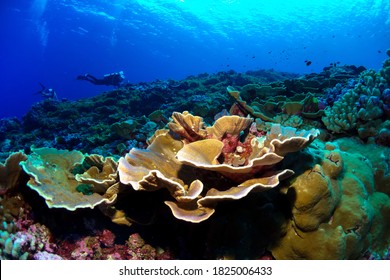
47	93
112	79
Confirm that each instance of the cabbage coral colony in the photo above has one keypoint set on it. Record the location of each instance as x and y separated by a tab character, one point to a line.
274	171
214	149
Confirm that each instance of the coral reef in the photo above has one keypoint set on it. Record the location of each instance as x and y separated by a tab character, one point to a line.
267	164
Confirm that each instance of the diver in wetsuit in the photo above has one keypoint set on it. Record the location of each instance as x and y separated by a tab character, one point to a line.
112	79
47	93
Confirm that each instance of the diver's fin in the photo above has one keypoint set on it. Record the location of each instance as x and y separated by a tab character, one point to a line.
42	86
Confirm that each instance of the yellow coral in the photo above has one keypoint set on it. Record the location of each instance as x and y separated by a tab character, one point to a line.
10	171
174	164
336	212
51	176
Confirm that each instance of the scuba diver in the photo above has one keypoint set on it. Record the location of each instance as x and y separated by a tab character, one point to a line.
47	93
112	79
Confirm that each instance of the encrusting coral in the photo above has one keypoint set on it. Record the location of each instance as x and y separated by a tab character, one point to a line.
378	156
227	150
336	211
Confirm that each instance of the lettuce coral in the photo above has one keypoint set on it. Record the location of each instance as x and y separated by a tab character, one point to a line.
101	174
200	166
275	109
10	172
51	176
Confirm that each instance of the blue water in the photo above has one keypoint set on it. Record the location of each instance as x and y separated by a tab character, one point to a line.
53	41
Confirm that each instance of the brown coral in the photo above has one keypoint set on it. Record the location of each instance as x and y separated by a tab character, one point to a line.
101	175
10	171
188	126
336	212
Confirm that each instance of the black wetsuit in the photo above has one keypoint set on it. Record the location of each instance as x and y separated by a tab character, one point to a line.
114	79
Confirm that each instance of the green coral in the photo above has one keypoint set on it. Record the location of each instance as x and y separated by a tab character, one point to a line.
260	92
385	71
11	249
342	116
360	106
126	128
85	189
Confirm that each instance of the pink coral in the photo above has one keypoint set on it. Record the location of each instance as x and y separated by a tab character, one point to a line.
138	250
234	152
46	256
230	143
35	239
102	247
85	249
107	238
135	241
254	131
113	256
146	252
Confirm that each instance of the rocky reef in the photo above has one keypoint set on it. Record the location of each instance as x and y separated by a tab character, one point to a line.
255	165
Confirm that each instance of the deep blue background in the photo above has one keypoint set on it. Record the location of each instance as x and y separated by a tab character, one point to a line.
54	41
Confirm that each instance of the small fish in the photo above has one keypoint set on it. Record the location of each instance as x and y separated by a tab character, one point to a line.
307	62
83	29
